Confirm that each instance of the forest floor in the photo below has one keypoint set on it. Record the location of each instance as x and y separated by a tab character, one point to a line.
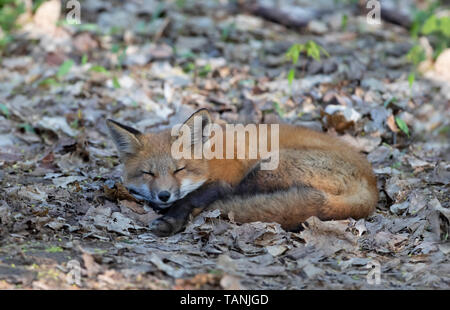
149	65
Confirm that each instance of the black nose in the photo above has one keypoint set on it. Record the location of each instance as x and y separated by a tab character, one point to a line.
164	196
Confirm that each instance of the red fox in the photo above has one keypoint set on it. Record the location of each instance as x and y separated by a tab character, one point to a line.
317	175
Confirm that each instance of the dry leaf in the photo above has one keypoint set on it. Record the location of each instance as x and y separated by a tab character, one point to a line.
47	15
391	124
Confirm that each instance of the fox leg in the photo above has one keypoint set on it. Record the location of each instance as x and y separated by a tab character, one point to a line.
170	223
288	207
177	216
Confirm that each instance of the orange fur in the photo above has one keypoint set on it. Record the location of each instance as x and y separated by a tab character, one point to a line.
318	175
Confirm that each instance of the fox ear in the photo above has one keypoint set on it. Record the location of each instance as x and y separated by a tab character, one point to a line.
125	138
197	123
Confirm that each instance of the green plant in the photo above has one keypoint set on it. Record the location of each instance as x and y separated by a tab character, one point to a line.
226	31
101	69
402	125
279	109
37	4
10	10
411	79
436	29
416	55
4	109
180	4
390	100
26	127
203	72
120	51
84	59
157	13
98	69
344	22
189	67
116	83
49	82
54	249
311	48
64	68
420	16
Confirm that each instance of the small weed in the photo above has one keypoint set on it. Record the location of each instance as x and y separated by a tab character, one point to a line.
54	249
402	125
311	48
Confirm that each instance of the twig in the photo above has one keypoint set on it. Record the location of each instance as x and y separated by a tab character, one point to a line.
161	29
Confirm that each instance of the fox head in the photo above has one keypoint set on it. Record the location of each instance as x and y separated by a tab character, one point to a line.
150	171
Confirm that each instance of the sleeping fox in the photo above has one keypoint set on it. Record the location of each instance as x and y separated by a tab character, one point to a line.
316	175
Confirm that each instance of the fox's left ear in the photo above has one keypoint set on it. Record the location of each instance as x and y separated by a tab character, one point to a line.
197	123
125	138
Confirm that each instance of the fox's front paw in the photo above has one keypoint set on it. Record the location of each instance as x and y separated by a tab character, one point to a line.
166	226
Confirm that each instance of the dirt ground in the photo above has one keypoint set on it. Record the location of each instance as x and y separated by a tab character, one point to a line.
65	220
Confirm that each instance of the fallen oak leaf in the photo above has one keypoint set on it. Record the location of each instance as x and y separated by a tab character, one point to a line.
137	213
330	236
121	224
117	193
133	206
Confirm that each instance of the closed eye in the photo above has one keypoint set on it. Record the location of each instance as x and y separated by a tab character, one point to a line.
149	173
179	169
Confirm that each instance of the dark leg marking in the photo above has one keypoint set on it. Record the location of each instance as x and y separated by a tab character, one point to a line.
177	215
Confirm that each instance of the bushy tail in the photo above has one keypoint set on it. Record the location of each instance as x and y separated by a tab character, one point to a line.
292	207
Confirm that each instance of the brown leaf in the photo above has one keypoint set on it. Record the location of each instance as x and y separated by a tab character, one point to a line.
330	236
84	42
92	267
55	59
118	192
390	241
338	122
197	282
391	123
135	207
47	15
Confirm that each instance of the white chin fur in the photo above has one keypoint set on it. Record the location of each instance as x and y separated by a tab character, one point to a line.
187	186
